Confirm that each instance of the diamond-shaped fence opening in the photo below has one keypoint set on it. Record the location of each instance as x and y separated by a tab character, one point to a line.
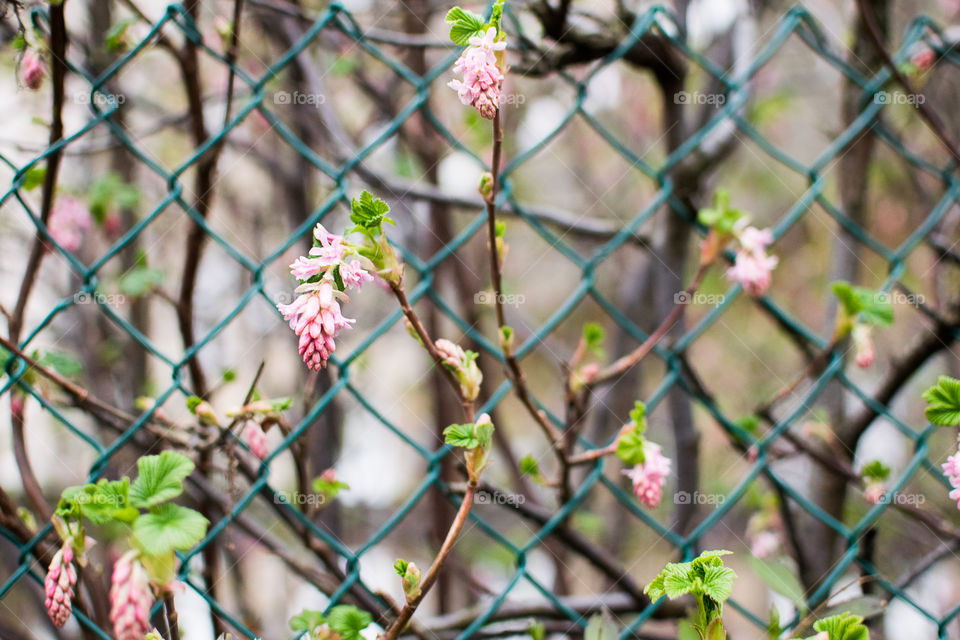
317	105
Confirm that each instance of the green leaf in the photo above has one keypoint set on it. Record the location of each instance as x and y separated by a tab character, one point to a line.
715	630
105	501
943	400
464	25
34	177
369	213
529	466
193	402
720	217
468	435
718	583
281	404
601	627
876	470
677	580
593	336
348	621
630	448
843	627
307	620
329	488
62	363
782	579
872	307
159	478
169	527
400	566
637	416
140	280
537	631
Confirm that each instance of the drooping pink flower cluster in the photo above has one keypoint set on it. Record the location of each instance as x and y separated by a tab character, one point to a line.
315	315
753	266
69	219
951	469
130	599
58	586
256	439
32	70
648	478
480	87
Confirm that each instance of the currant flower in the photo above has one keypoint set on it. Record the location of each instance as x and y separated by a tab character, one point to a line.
69	220
753	266
951	469
256	439
649	476
32	70
130	598
482	75
58	586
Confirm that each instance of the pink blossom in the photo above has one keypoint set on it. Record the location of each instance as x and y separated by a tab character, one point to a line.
256	439
130	599
315	316
32	70
924	59
58	586
648	478
353	274
874	492
69	219
753	266
482	77
951	469
764	544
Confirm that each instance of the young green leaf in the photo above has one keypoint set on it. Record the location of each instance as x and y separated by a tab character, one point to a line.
872	307
943	400
348	621
464	25
140	280
720	217
718	583
845	626
159	478
593	335
34	177
630	448
529	466
460	435
307	620
369	213
169	527
876	470
62	363
782	579
601	627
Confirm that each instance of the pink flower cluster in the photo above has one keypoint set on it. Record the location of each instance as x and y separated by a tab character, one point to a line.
32	70
315	315
648	478
753	266
480	87
951	469
69	220
130	599
58	586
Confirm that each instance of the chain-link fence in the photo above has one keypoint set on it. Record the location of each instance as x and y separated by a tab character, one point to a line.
344	169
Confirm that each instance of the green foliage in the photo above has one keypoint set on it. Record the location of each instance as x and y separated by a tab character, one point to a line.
469	436
307	620
34	177
943	402
593	336
369	213
871	307
169	527
601	627
464	25
348	621
116	39
876	470
330	488
529	466
62	363
707	580
537	631
109	193
160	478
630	445
844	626
782	579
720	216
192	403
140	280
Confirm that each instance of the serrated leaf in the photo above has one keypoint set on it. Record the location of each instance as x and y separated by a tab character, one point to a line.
872	307
943	401
464	25
718	583
876	470
307	620
369	213
160	478
105	501
169	527
782	579
843	627
529	466
348	621
460	435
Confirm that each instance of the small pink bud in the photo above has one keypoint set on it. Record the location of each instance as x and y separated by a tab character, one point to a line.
32	70
58	586
864	345
256	439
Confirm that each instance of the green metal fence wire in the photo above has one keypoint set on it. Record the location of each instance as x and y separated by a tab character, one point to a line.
254	97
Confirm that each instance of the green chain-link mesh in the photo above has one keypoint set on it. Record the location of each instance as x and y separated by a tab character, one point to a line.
796	22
